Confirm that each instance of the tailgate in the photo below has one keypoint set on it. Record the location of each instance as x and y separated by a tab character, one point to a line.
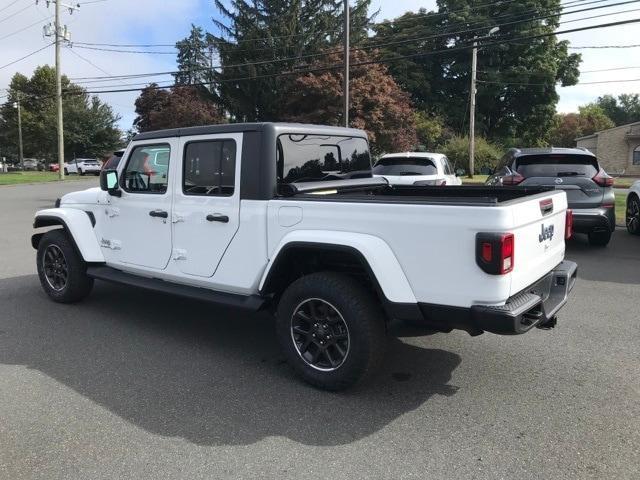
538	228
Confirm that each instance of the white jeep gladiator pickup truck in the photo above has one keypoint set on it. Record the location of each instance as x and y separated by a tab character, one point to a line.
289	218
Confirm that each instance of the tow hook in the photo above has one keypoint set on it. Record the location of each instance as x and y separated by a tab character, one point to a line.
549	324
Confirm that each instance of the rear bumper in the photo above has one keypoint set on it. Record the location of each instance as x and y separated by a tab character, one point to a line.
535	306
588	220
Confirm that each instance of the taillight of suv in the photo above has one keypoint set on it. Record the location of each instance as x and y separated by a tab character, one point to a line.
513	179
495	252
603	179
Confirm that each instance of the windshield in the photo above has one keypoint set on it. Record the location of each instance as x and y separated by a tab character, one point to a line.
405	166
557	166
311	158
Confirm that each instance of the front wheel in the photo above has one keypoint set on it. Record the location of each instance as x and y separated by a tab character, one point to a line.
633	215
599	238
66	172
62	271
80	172
331	330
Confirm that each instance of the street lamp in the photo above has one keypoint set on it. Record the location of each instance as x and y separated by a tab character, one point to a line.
472	100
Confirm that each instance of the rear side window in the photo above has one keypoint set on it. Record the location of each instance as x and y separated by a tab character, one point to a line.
557	166
405	166
209	168
312	158
143	174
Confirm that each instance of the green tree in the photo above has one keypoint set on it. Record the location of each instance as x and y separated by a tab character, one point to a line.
622	110
567	127
90	125
260	39
194	59
517	80
430	131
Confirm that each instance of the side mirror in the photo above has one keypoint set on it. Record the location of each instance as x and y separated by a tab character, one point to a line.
109	182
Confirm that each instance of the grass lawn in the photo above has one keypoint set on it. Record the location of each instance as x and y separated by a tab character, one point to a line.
621	208
476	180
624	182
15	178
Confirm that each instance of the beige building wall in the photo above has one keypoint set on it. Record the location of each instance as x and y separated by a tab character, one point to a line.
614	148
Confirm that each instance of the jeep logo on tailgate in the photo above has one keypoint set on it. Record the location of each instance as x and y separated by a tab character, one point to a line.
546	233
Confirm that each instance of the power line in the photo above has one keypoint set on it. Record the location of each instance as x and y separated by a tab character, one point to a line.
26	56
429	14
492	82
9	5
15	13
385	60
25	28
583	47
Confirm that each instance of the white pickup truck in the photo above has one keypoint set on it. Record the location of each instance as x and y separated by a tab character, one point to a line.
289	218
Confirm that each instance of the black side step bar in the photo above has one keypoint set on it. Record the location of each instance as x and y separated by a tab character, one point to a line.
108	274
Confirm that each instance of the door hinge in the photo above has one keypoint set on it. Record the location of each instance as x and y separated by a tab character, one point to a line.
176	218
112	212
179	254
110	244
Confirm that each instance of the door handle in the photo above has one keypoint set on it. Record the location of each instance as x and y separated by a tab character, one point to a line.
217	218
159	213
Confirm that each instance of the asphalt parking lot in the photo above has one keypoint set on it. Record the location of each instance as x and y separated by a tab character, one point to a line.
129	384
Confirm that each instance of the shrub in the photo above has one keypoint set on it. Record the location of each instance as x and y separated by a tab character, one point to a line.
486	158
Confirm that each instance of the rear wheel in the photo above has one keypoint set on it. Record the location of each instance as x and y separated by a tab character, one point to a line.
62	271
80	172
331	330
599	238
633	215
66	172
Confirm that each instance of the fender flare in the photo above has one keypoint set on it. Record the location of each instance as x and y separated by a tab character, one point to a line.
375	253
78	223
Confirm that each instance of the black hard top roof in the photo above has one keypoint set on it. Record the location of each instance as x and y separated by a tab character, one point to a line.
275	128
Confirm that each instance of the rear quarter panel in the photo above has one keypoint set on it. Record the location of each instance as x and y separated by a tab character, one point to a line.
435	244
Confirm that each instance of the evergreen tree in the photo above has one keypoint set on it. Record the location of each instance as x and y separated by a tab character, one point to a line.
195	59
268	37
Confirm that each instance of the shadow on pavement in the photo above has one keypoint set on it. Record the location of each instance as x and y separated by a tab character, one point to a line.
619	262
213	376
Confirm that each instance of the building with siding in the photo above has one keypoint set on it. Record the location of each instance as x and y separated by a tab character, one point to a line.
617	149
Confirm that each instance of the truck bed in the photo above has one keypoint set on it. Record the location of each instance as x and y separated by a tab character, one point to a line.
374	190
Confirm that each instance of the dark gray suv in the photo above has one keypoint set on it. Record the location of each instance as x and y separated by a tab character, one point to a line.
577	172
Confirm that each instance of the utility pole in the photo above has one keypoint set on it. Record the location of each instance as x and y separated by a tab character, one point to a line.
20	151
472	101
59	94
60	34
346	63
472	109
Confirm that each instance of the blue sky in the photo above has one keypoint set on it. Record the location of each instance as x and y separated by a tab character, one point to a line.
155	21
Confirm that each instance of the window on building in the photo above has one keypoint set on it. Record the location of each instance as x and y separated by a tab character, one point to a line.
636	156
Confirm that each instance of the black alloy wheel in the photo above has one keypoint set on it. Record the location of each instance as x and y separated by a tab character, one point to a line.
633	215
320	334
56	270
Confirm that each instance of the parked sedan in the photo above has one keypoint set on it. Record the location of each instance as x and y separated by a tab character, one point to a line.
54	167
82	166
574	170
30	164
633	209
416	168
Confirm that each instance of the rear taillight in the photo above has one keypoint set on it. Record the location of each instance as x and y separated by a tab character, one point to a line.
495	252
513	179
568	225
603	179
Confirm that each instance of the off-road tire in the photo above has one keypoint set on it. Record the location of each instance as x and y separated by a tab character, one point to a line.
599	238
358	308
77	285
